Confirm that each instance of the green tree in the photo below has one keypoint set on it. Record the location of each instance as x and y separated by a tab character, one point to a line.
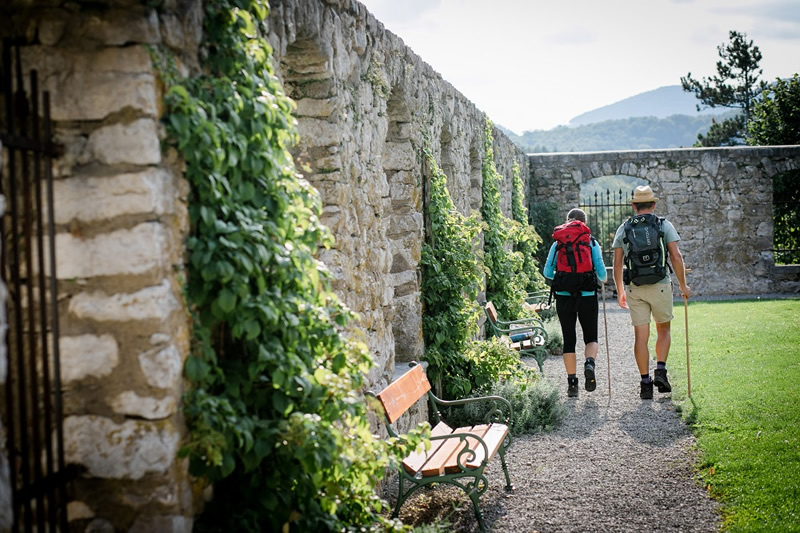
776	116
776	121
736	84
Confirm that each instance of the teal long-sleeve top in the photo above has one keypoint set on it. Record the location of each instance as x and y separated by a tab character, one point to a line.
597	261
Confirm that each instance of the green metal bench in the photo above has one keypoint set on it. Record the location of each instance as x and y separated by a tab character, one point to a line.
528	335
540	301
457	456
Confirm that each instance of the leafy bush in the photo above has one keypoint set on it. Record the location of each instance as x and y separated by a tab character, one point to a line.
555	342
535	404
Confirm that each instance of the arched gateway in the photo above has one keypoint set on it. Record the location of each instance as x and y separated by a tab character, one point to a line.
719	198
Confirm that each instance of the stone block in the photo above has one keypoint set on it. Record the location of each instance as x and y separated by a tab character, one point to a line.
139	250
162	366
136	193
127	450
399	156
131	404
87	355
318	132
151	303
92	84
134	143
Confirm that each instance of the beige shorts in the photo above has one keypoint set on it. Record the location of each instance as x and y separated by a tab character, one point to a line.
644	300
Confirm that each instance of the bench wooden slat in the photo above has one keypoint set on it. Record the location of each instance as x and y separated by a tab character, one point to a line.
404	393
414	462
452	463
436	463
494	437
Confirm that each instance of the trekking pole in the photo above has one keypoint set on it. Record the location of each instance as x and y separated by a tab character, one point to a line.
605	328
686	326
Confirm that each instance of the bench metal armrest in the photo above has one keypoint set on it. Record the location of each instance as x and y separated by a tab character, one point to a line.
493	415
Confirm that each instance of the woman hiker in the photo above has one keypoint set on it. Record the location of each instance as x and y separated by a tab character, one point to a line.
575	265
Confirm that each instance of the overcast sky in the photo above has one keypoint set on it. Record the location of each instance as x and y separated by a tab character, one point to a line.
535	64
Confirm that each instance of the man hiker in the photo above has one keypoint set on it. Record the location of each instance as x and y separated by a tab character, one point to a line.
643	244
575	264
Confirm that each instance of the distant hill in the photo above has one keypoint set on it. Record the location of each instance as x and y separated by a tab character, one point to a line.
660	103
640	133
666	117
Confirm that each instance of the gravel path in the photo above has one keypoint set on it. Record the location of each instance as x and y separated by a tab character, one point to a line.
619	464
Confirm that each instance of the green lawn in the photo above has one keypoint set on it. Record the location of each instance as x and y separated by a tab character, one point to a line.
745	406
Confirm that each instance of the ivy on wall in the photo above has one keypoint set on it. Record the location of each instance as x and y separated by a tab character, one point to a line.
275	413
528	240
505	279
451	281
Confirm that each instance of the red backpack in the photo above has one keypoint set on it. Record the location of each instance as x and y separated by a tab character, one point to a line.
574	268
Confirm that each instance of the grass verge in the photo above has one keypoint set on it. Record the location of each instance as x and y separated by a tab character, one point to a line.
745	406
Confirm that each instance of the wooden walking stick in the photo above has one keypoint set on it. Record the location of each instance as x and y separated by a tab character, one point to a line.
686	326
605	328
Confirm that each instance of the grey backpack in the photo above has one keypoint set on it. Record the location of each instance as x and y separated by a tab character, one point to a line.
646	259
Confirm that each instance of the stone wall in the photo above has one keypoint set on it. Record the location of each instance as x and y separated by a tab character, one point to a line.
720	200
121	220
365	105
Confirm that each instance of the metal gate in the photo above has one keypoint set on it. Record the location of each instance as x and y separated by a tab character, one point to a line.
604	214
32	412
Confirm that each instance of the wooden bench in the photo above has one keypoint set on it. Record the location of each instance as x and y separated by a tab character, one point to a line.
527	335
456	456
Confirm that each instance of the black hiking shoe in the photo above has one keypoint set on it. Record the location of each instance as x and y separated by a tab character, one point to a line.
572	387
588	372
647	391
660	379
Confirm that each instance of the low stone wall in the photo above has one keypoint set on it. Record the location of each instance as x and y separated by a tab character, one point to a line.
720	200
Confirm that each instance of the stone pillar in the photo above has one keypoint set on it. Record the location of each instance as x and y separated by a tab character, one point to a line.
120	224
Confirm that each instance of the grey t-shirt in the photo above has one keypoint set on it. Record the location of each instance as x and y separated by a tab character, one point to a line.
670	235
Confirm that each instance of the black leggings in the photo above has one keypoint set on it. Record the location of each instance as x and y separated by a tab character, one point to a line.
585	310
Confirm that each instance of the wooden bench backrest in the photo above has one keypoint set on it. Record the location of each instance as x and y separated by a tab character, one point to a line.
403	393
491	312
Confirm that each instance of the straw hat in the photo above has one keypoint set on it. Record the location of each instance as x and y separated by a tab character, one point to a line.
643	194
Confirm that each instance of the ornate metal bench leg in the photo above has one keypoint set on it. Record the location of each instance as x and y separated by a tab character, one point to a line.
400	498
502	452
474	495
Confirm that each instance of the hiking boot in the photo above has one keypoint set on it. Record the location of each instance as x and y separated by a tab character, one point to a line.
647	391
588	372
660	379
572	387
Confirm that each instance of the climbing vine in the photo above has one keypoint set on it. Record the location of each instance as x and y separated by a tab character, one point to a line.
451	280
275	415
505	278
528	239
